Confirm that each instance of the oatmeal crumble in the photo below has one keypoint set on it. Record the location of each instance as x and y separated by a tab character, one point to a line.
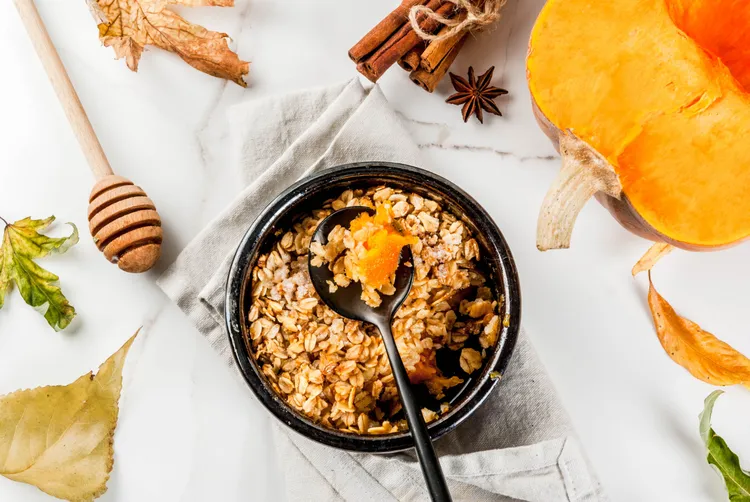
334	370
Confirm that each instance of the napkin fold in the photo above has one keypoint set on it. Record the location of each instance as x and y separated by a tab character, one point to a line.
519	445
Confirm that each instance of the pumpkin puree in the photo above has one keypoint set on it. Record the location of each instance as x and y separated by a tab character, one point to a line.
377	266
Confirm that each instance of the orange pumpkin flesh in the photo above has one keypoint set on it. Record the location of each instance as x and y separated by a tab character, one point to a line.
383	255
658	89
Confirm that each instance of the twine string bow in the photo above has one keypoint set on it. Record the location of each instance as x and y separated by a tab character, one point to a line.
478	16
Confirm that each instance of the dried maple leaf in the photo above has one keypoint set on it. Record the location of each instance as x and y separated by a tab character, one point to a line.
60	438
21	245
653	255
706	357
130	25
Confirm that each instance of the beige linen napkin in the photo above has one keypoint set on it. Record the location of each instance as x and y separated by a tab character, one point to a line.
518	446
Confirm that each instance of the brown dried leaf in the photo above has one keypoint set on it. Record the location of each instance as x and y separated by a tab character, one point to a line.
653	255
60	438
706	357
129	25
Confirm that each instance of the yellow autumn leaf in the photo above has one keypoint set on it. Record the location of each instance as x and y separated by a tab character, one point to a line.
60	438
706	357
128	26
653	255
22	243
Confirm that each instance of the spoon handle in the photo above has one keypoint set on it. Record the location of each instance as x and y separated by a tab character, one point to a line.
431	470
72	106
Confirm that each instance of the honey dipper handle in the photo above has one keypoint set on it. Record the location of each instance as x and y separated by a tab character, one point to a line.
79	122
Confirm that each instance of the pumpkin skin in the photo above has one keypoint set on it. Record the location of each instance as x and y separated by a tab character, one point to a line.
681	76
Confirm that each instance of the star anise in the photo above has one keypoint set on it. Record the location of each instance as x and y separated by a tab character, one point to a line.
476	94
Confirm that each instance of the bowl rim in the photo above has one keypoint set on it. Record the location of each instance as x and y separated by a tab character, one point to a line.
246	254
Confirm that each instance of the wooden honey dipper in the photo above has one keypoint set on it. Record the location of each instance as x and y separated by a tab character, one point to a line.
122	219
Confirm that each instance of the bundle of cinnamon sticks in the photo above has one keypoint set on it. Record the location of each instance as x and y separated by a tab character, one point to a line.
394	40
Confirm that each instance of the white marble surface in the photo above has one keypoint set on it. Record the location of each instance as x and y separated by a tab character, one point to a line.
187	431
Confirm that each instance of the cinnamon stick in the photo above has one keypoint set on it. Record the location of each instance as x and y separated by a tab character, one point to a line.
383	30
429	80
439	49
412	59
402	41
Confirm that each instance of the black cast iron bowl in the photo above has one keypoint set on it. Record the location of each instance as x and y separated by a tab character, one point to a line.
309	194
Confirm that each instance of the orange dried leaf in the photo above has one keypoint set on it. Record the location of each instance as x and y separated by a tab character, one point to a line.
653	255
706	357
128	26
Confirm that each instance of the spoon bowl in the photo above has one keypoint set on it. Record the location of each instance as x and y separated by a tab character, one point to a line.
347	302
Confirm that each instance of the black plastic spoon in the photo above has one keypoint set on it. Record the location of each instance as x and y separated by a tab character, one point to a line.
347	302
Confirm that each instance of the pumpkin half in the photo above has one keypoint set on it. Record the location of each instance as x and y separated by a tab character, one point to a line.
648	104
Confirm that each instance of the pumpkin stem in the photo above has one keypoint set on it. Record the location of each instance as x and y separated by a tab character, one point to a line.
584	173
